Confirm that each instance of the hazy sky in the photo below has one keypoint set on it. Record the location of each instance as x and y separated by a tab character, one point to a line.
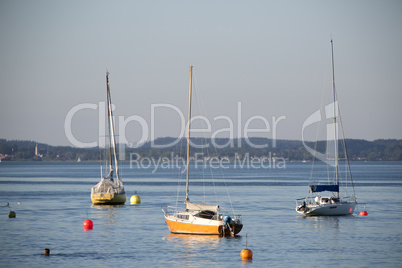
272	57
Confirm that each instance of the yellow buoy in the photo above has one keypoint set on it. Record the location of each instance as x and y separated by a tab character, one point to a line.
135	199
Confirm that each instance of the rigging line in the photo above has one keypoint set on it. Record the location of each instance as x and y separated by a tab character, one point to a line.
227	189
321	125
201	107
100	161
180	155
180	171
200	100
348	170
331	99
323	90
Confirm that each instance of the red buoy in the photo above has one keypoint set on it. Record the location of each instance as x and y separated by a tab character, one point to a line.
88	224
363	213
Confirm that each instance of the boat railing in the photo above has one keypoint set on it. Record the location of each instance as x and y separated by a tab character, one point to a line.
237	218
173	211
348	199
170	210
312	200
299	201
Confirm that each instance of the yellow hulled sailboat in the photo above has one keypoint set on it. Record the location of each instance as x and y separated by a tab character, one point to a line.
110	190
200	219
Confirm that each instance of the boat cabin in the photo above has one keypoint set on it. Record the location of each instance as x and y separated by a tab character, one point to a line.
326	200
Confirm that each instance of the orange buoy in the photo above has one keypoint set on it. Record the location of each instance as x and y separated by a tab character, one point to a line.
246	254
88	224
363	213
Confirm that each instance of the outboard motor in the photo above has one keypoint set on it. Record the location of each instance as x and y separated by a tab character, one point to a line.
227	221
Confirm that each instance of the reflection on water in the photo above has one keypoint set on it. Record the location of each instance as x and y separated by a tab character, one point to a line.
108	213
193	247
324	223
193	240
106	206
245	262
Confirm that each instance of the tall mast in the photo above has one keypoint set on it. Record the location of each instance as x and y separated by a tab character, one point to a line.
108	121
335	114
188	130
111	129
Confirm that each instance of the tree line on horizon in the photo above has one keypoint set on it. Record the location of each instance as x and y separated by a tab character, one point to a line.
291	150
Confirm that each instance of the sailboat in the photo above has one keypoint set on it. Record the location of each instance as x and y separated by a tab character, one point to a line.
340	176
200	219
110	190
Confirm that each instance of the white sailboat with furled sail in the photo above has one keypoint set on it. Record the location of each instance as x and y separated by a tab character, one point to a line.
110	190
200	219
337	169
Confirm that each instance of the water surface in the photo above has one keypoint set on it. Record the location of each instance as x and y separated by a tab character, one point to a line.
52	199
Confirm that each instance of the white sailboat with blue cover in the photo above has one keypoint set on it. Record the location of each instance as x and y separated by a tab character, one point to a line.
337	188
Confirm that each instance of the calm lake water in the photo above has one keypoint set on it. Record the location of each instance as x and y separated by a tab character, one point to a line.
52	199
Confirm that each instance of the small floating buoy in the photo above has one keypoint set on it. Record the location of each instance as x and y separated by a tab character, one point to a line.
46	251
12	214
246	254
363	213
135	199
88	224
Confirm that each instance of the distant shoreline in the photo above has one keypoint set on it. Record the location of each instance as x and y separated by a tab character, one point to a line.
289	150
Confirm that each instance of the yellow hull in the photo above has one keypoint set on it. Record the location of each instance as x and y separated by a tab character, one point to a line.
190	228
108	199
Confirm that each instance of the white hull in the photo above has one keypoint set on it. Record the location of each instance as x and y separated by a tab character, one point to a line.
335	209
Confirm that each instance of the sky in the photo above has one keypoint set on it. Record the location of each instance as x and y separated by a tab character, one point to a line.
260	67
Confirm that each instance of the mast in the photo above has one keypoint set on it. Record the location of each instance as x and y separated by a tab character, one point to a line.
188	131
111	130
335	124
108	121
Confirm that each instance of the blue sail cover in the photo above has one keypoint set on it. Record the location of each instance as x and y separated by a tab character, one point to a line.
322	188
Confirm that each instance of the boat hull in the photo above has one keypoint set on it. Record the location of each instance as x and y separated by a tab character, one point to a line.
336	209
200	226
179	227
108	199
